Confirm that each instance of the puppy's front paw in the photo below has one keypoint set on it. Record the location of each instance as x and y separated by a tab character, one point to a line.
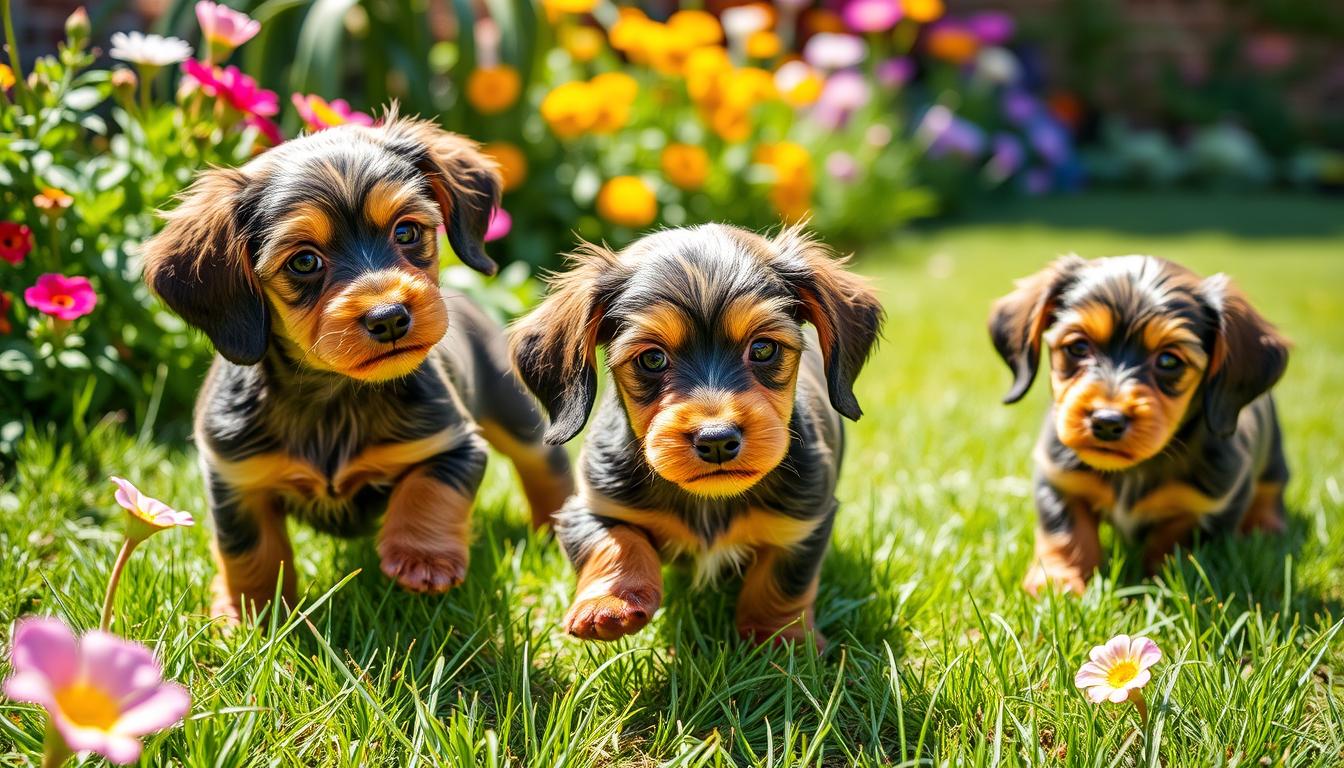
607	617
423	571
1064	578
224	607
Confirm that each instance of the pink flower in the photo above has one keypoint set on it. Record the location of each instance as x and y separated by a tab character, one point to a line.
991	27
1117	668
230	84
223	27
16	240
841	165
500	224
147	515
872	15
832	50
843	93
64	298
318	113
102	693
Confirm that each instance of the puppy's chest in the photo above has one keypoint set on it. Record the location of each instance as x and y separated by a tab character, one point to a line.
1135	502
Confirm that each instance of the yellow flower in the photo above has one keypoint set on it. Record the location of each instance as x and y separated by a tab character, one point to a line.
570	6
791	161
569	109
798	84
922	11
493	89
582	43
763	45
511	160
667	49
791	202
699	27
610	116
952	44
703	68
616	85
6	77
627	201
629	32
685	165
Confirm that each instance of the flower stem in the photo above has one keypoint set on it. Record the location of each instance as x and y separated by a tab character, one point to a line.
127	548
1136	698
54	750
15	59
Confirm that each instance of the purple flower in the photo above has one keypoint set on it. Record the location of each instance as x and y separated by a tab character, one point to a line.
841	165
1005	158
843	93
1019	106
944	133
896	72
991	27
1048	140
871	15
1036	181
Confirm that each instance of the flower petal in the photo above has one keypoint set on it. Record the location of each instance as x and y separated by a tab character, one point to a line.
30	687
1118	695
120	668
1140	680
121	750
1099	693
127	495
47	647
165	705
1145	651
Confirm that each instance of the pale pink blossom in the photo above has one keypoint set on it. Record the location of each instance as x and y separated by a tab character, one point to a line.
223	27
1116	669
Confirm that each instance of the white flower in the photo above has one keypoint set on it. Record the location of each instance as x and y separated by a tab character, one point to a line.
1117	668
997	65
148	50
740	22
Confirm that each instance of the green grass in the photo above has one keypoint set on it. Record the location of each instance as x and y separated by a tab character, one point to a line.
937	657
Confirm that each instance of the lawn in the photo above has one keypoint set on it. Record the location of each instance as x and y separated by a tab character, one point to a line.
936	655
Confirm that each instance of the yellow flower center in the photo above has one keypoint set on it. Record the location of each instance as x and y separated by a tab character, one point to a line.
63	301
1121	674
88	707
326	114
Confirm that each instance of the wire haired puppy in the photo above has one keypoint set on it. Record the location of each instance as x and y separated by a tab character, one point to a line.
720	439
1162	420
347	387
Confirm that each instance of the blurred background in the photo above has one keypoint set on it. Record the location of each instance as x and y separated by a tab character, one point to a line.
865	117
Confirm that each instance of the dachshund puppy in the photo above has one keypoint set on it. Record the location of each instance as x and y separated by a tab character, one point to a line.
720	438
1161	423
347	388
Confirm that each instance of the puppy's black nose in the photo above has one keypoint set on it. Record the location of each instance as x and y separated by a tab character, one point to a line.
717	443
1108	425
388	322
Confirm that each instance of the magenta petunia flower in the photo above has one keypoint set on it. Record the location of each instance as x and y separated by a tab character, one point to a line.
64	298
991	27
229	83
833	50
224	27
318	113
103	693
16	240
500	224
871	15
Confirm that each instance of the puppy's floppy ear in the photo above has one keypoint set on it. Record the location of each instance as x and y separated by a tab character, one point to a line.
1248	355
466	183
839	304
1018	320
554	347
199	265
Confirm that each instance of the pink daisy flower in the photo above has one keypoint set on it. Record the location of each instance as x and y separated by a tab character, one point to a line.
318	113
223	27
64	298
1116	669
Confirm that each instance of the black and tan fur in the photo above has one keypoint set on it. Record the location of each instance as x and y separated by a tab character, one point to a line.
707	299
1162	421
315	407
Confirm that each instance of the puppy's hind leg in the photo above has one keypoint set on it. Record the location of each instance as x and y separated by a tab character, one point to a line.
780	588
1266	511
253	550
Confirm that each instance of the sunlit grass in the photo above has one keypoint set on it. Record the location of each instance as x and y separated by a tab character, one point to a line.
936	654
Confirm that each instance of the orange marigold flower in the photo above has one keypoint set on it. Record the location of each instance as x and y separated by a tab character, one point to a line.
791	161
569	109
951	43
791	202
685	165
731	124
627	201
6	77
616	85
492	90
511	160
702	71
699	27
764	45
922	11
570	6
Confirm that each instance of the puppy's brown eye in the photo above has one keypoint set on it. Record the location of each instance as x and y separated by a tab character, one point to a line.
652	360
763	350
304	263
406	233
1077	349
1168	363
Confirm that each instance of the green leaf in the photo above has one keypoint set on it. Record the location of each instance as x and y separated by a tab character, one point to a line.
321	54
83	99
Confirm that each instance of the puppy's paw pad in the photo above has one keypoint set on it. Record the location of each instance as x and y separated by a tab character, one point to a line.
426	572
607	617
